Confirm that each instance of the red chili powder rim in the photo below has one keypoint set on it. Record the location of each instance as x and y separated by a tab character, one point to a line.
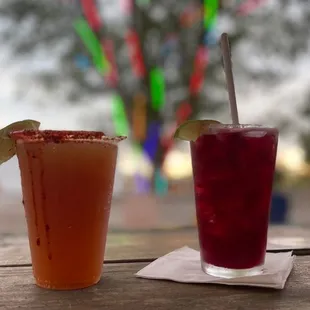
58	136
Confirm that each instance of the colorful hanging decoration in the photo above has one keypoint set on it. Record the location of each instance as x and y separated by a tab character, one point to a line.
112	74
119	116
151	143
143	184
103	59
210	13
210	37
200	64
157	88
82	62
148	137
135	53
139	120
92	44
183	112
160	183
91	14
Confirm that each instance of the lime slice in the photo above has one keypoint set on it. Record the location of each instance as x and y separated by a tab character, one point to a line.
7	145
192	129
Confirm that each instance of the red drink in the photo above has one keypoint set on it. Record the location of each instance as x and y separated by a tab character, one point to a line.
67	183
233	168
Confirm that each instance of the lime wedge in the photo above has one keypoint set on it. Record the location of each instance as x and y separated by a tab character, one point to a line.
192	129
7	145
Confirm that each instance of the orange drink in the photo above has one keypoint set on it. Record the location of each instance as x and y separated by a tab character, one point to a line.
67	183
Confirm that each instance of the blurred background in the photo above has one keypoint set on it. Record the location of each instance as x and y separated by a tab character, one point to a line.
141	67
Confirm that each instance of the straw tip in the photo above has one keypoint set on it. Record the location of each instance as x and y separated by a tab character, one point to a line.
224	37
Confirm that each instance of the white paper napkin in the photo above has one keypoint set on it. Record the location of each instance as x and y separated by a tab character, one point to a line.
183	265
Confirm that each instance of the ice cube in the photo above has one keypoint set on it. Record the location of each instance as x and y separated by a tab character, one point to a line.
255	133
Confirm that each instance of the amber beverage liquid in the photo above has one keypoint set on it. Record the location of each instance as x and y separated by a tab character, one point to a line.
233	168
67	183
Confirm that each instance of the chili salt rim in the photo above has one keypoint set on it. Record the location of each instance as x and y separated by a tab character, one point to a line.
62	136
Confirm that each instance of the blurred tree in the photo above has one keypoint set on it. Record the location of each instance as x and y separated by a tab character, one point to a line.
169	34
276	34
43	29
279	30
46	26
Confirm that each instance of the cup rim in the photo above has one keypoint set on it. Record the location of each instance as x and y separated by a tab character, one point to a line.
241	126
61	136
213	129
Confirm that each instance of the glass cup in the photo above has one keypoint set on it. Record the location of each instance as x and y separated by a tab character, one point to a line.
233	169
67	182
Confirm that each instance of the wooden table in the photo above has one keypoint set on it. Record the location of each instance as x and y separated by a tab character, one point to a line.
120	289
145	246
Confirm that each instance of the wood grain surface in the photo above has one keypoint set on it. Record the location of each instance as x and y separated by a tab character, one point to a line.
14	250
120	246
120	289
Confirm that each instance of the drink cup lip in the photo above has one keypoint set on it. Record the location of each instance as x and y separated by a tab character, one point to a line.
62	136
215	128
241	126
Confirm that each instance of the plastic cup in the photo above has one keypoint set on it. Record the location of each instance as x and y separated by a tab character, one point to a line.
233	169
67	182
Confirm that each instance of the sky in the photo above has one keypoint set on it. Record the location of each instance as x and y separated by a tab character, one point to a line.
54	112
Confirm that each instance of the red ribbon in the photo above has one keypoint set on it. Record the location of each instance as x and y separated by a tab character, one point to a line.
135	53
108	48
91	13
183	112
200	64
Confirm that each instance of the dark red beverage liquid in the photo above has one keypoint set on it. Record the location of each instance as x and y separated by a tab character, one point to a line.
233	174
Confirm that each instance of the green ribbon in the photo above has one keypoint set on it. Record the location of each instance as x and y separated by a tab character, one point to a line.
210	13
119	117
157	88
92	44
